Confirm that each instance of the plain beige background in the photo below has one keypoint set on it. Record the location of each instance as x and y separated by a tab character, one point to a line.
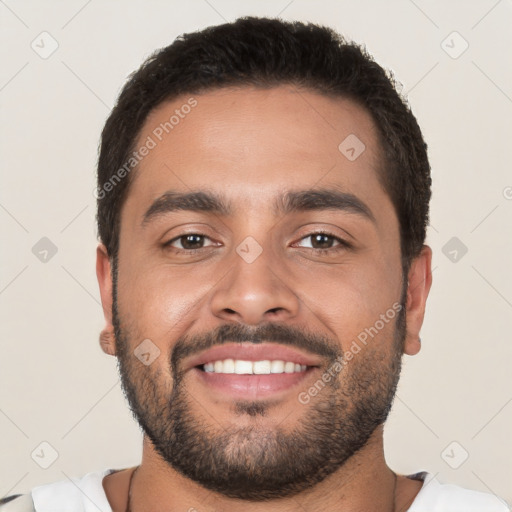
455	398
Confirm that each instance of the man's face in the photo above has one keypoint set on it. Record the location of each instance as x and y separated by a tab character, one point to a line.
259	282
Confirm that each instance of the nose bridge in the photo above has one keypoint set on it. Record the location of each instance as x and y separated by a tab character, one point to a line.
255	286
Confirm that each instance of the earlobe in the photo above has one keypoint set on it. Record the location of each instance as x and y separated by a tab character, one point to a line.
412	346
104	275
419	283
108	342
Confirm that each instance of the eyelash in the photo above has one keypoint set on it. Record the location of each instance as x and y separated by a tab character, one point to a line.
342	244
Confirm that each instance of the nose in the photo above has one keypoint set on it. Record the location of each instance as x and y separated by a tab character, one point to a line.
256	291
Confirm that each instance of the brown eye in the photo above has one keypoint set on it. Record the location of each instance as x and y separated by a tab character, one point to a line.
188	242
324	242
321	241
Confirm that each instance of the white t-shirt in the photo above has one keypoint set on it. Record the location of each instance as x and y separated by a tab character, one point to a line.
87	495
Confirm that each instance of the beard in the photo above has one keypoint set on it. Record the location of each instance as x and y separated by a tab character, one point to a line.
261	462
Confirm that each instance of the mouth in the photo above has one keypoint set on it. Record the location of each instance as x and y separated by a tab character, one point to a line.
252	371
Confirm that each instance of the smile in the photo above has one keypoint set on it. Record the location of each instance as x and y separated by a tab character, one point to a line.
241	367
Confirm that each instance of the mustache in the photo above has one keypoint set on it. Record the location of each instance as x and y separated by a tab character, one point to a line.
297	337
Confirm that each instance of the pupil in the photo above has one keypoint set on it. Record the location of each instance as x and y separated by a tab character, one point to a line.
323	240
191	241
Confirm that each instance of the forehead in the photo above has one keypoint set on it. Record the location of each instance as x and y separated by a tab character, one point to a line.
250	142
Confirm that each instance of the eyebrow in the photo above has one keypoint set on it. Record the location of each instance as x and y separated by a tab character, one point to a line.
289	202
200	201
322	199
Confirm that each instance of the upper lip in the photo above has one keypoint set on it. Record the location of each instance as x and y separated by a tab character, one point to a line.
253	352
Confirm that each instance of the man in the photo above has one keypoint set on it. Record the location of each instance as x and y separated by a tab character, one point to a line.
263	196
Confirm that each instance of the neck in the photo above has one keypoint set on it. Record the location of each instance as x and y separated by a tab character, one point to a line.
364	482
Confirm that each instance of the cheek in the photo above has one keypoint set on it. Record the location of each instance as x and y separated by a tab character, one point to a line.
352	299
159	301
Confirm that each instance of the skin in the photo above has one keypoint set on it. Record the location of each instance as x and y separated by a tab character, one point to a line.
250	144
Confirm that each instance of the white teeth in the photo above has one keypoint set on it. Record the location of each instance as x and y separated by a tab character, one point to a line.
242	367
228	366
277	367
261	367
289	367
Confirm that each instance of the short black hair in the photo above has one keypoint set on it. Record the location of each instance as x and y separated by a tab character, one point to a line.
266	52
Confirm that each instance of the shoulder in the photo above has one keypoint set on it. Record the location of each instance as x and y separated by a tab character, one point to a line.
437	497
72	495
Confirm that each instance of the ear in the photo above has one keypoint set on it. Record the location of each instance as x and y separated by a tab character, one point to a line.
419	283
104	275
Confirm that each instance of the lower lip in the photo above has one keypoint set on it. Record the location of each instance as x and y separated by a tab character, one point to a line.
251	386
